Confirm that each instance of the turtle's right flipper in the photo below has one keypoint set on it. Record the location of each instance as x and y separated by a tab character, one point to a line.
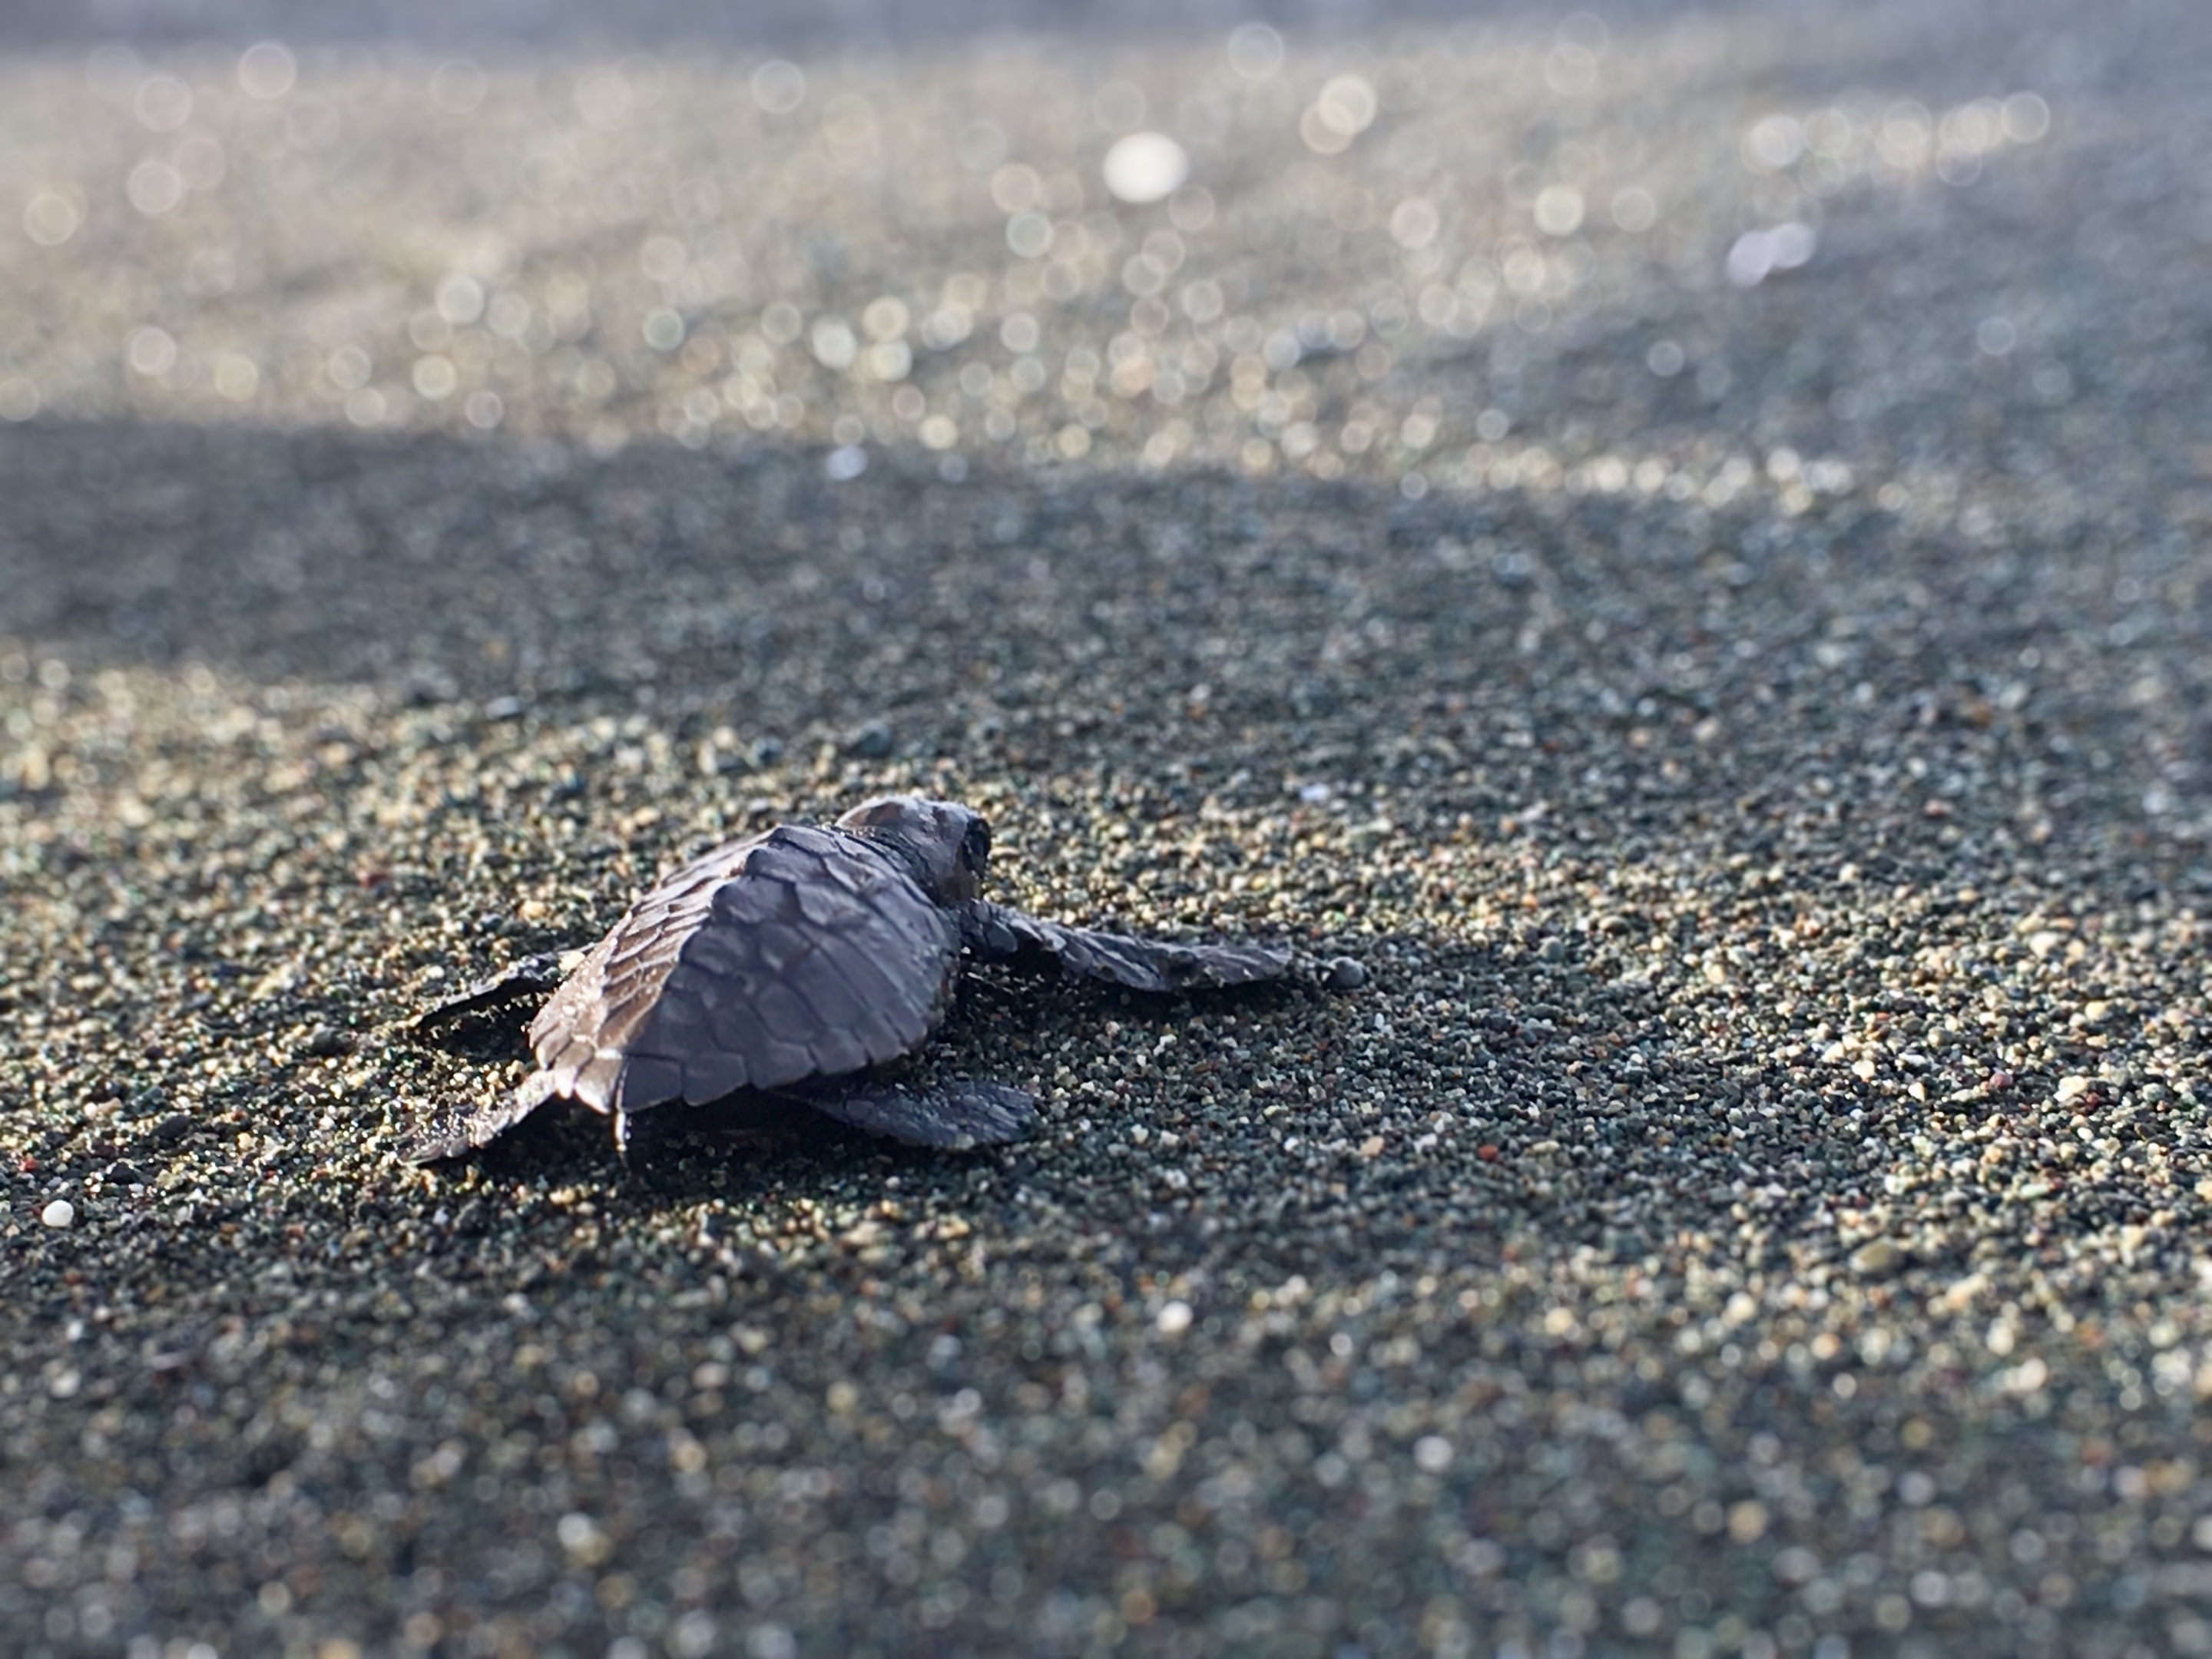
532	976
956	1113
1141	964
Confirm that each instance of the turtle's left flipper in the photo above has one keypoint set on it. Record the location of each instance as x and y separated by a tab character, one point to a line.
532	976
1141	964
956	1113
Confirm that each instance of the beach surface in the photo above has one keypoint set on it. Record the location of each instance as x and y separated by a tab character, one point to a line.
1678	541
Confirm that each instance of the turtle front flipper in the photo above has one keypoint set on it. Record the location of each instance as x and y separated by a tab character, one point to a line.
955	1113
1141	964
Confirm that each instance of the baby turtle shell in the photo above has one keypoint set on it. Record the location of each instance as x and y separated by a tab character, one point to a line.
791	963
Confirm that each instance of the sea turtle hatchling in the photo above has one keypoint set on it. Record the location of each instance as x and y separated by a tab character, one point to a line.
790	963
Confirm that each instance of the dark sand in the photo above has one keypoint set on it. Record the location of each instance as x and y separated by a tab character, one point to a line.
1755	737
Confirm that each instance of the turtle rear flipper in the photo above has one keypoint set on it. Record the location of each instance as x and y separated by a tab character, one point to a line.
956	1112
532	976
1141	964
458	1128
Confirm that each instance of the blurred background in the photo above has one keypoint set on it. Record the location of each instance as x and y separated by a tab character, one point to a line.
1639	249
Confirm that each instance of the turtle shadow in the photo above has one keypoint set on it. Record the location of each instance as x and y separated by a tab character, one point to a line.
1525	1094
488	1039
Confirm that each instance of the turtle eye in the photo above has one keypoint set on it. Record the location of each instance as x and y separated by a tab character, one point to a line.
975	847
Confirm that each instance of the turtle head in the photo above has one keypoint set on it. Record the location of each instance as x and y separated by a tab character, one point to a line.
948	845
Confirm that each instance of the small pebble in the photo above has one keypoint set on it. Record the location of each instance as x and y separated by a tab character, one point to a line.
874	740
1877	1258
59	1213
1345	974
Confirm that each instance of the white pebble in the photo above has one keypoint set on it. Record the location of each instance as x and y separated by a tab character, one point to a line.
1146	167
59	1213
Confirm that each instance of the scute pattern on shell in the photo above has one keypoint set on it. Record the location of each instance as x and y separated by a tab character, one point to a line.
797	954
